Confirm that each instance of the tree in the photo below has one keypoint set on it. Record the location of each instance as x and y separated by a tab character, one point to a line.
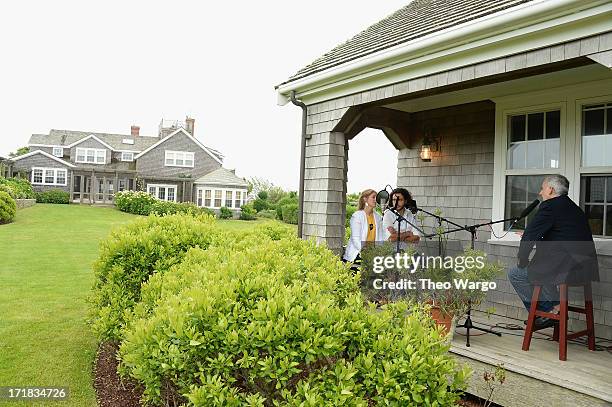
20	151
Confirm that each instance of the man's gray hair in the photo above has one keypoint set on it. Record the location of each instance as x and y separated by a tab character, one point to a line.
559	183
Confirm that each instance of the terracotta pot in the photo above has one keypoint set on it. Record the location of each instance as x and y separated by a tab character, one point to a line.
443	319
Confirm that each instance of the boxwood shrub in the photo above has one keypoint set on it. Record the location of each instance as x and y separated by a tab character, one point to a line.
54	196
265	322
8	208
135	251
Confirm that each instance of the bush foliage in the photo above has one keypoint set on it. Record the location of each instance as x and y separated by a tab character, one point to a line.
141	203
264	322
8	190
54	196
290	213
8	208
22	189
225	213
247	212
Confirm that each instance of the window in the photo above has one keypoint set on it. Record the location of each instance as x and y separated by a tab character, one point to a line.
122	185
199	202
228	199
596	200
127	156
238	199
162	192
218	196
58	151
49	176
207	198
597	135
90	155
179	159
533	149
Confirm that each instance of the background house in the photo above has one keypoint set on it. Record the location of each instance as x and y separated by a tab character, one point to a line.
497	94
93	166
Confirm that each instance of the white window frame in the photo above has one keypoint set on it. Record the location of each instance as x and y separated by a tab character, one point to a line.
127	156
171	157
571	99
201	192
54	171
166	186
97	153
56	153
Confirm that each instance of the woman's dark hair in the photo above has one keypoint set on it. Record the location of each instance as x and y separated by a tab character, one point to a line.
404	193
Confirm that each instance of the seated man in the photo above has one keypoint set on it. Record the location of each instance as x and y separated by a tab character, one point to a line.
570	259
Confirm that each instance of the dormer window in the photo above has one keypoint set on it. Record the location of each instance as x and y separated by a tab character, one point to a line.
127	156
91	155
179	159
58	151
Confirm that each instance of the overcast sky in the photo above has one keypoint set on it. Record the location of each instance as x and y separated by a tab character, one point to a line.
102	66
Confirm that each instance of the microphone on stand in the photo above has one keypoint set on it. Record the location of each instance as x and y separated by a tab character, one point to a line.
525	212
382	198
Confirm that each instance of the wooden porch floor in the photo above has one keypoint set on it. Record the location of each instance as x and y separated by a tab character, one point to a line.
536	377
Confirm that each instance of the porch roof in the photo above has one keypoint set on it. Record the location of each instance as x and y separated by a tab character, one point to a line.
222	176
415	20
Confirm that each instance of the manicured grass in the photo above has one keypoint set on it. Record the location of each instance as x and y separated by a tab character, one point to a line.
45	273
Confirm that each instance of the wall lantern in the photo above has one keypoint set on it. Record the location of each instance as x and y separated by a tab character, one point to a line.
429	145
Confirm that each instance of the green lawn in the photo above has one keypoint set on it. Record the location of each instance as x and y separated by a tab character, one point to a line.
45	276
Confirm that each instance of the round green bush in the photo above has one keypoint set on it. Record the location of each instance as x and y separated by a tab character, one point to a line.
290	213
247	212
136	202
260	204
8	207
21	187
225	213
265	322
290	199
132	253
7	188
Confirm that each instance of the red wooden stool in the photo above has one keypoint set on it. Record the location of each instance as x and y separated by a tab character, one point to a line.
560	333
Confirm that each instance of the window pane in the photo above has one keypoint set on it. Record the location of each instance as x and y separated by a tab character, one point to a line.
518	188
516	155
553	124
49	176
61	177
161	193
521	190
517	128
152	191
551	153
38	176
179	161
608	230
594	214
609	120
594	189
609	194
535	154
228	199
534	185
535	126
171	193
594	150
594	122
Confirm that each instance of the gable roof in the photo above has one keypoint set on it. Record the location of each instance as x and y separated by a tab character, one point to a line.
181	130
415	20
222	176
69	138
59	160
91	136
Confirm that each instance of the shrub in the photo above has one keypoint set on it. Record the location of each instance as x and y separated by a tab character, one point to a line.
260	204
268	214
350	210
282	323
263	195
8	207
225	213
21	187
6	188
136	202
284	201
135	251
247	212
290	213
54	196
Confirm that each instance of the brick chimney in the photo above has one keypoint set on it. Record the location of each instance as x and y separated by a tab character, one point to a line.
135	131
190	124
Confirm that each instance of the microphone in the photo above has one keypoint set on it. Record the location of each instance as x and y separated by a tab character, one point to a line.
529	209
382	198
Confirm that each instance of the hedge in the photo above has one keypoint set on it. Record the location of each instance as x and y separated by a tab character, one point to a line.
8	208
54	196
22	188
262	322
225	213
290	213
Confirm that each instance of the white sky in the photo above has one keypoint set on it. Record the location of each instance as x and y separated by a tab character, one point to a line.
106	65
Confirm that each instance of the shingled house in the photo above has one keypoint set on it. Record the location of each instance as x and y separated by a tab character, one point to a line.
171	166
481	99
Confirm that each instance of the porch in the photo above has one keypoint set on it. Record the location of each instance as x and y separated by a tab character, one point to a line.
99	187
536	377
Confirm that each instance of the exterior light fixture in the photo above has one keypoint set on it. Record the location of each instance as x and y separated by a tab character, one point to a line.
429	145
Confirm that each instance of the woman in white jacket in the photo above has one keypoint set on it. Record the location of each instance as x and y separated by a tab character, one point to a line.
366	226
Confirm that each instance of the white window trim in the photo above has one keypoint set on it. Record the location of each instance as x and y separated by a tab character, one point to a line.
61	151
85	150
123	153
223	192
571	98
185	157
157	186
55	171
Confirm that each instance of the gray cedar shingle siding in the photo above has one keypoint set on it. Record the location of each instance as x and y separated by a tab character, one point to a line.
90	143
39	160
152	163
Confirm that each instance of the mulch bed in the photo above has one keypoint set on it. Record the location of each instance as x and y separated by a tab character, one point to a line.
111	391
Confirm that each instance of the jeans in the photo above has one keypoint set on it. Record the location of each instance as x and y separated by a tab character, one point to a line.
549	296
